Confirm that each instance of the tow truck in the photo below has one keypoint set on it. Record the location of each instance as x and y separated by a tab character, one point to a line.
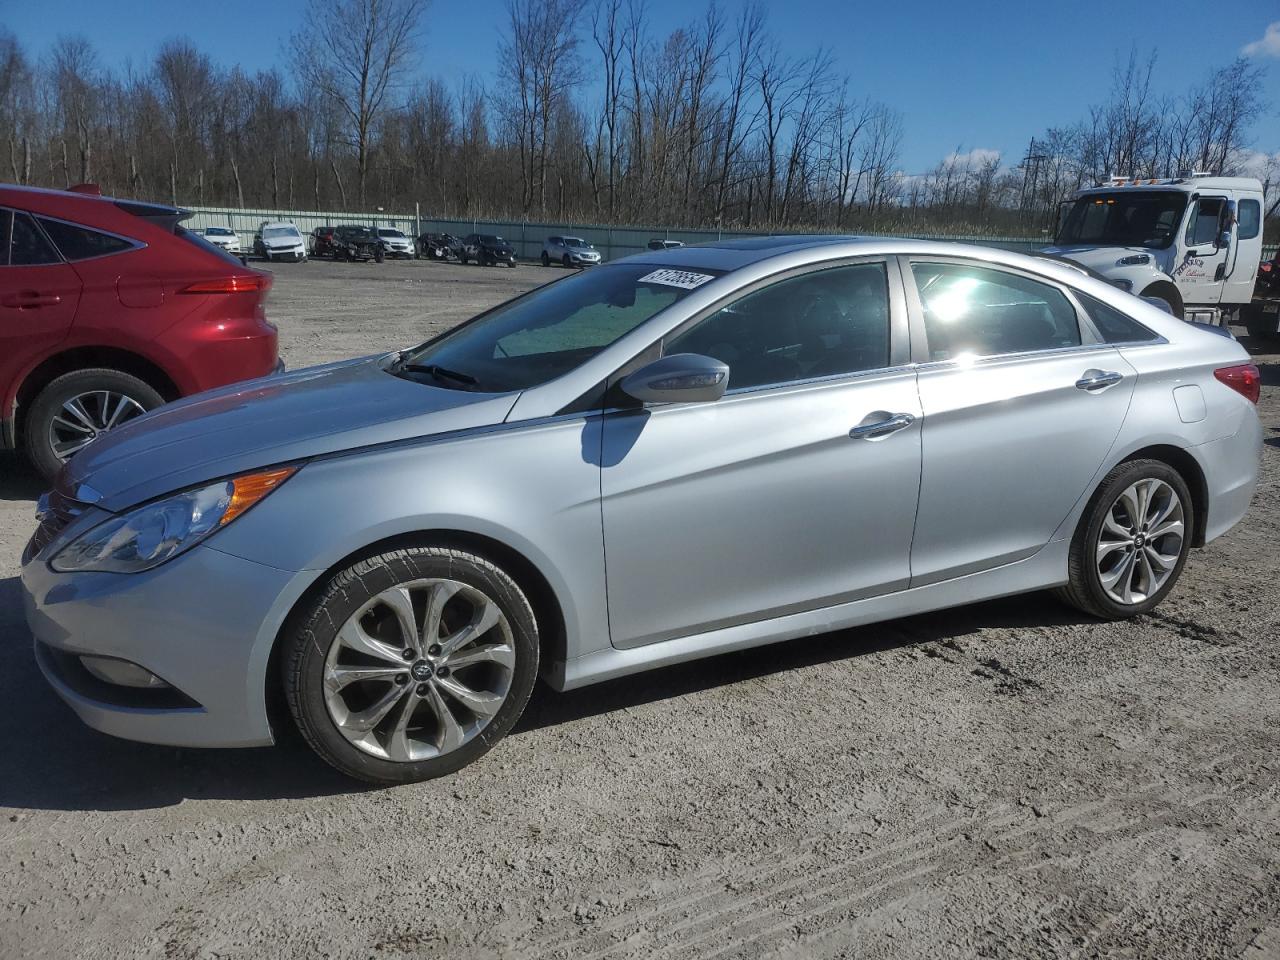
1193	242
1262	313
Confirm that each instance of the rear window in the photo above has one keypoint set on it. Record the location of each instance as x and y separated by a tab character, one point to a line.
81	243
1115	327
211	248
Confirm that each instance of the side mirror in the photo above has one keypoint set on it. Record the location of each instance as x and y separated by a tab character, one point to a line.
679	378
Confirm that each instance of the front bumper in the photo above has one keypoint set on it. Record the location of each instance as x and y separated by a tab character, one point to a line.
584	260
204	622
295	254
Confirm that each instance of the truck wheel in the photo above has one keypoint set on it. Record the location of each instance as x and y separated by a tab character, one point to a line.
78	407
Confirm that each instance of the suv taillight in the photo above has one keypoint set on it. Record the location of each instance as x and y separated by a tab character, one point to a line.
1243	378
240	284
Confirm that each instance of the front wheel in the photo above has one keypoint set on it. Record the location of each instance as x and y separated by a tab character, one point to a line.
77	408
546	261
1132	542
412	664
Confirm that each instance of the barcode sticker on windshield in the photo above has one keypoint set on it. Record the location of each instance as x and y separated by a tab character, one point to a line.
676	278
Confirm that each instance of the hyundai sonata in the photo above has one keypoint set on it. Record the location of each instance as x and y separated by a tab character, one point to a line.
681	453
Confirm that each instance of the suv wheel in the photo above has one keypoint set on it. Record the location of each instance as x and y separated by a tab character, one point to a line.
546	261
565	261
1132	542
77	408
412	664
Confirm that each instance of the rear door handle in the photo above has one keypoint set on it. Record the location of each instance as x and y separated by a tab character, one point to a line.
882	428
1095	380
29	298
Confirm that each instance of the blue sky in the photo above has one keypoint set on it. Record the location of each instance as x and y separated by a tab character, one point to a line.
966	75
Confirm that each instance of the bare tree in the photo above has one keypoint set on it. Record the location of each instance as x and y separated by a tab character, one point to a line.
357	52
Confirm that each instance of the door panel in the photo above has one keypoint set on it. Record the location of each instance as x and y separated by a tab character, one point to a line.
1009	446
757	505
38	299
1198	275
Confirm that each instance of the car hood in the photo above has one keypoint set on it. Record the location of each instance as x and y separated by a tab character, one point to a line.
305	413
283	242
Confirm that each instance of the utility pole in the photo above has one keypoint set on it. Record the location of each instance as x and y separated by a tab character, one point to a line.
1030	167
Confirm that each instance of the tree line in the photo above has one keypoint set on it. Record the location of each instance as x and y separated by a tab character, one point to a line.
590	115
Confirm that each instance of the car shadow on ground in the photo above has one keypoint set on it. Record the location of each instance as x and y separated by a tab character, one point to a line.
62	765
18	479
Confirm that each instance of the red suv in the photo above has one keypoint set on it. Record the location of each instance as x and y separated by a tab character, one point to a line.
109	308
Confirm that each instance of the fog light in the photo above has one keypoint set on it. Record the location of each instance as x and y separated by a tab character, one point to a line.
121	672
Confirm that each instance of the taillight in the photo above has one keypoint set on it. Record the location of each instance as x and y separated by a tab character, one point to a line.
238	284
1244	379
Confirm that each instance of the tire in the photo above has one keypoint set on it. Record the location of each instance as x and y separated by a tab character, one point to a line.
379	255
49	403
1091	551
565	261
546	261
512	264
400	747
462	257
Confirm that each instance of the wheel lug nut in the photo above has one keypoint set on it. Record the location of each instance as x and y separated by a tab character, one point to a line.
433	650
408	653
442	672
423	689
402	679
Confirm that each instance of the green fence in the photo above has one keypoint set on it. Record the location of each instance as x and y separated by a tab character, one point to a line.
527	236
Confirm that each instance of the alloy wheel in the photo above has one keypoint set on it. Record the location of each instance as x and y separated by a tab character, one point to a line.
419	670
1140	542
85	416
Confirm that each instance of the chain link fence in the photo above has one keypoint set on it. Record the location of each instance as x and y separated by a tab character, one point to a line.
527	236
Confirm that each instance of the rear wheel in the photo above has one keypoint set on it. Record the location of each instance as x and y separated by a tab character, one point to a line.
412	664
77	408
1132	542
546	261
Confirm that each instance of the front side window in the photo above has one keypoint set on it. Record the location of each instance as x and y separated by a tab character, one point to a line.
1249	216
980	312
548	332
81	243
819	324
1203	224
28	246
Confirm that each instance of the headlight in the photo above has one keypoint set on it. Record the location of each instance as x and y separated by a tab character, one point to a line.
1136	260
159	531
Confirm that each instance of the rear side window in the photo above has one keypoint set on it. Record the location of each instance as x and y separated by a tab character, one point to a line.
979	312
1115	326
1249	214
81	243
196	240
28	246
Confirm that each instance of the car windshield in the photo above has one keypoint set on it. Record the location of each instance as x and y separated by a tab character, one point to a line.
390	233
355	233
576	242
218	232
550	331
490	238
1148	218
279	233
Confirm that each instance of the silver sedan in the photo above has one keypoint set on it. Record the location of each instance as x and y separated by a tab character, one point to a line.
681	453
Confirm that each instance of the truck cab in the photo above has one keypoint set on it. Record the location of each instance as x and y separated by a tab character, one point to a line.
1194	242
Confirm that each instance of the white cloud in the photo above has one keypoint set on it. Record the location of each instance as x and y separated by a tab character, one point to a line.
1268	46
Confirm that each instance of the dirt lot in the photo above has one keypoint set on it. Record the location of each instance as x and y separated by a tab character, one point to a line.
1009	779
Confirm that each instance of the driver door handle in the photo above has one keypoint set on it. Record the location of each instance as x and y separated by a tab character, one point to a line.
882	428
1095	380
30	298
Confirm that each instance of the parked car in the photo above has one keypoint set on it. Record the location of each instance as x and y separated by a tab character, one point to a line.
753	440
223	237
438	246
109	308
358	243
487	250
395	243
322	242
657	244
279	241
569	252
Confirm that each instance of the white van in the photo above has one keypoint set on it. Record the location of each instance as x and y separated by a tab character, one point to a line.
1194	242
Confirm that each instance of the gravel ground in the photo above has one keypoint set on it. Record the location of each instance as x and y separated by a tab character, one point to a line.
1009	779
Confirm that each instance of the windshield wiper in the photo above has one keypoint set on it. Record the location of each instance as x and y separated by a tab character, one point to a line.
439	373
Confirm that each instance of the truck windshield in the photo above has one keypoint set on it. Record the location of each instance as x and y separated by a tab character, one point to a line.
1147	218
